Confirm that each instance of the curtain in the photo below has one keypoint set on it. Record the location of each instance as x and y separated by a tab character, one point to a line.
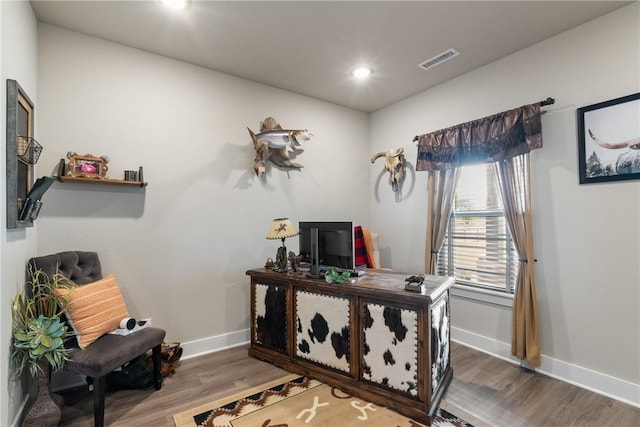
441	186
515	190
485	140
506	138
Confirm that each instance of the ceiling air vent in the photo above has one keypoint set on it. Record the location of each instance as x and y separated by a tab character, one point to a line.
439	59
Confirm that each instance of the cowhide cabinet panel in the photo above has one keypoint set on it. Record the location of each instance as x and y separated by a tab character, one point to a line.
440	340
270	319
323	332
390	347
368	337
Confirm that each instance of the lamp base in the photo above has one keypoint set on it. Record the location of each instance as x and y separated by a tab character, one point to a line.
314	276
281	259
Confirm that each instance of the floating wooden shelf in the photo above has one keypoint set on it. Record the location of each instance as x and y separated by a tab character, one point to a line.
102	181
62	177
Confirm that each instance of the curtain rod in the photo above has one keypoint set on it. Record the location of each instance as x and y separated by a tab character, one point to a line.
547	101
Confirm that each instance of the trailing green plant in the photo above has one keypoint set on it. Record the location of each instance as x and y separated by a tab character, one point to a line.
37	328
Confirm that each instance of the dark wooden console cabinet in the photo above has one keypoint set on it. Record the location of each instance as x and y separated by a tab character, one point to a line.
370	338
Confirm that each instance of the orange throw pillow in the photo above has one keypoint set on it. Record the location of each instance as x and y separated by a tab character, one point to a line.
95	309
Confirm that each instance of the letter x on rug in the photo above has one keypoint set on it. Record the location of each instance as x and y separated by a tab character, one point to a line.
299	401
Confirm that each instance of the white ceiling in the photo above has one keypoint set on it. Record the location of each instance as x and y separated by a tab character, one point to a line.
309	47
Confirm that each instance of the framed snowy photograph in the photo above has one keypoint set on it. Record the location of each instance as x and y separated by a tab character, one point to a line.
609	140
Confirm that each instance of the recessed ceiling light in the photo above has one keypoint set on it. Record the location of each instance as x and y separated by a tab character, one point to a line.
361	72
175	4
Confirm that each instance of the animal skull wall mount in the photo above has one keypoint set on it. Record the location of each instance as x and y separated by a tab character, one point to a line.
275	144
395	164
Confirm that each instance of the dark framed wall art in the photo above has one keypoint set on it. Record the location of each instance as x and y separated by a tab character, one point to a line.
20	119
609	140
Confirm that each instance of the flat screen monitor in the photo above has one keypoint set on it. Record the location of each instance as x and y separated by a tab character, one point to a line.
335	243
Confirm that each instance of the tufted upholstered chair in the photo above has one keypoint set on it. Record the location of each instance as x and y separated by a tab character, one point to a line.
109	351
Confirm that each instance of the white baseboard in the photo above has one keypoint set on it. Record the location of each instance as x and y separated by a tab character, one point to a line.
597	382
216	343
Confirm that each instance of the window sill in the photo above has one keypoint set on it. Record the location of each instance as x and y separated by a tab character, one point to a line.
482	295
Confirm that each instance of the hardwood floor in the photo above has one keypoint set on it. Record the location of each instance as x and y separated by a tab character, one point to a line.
484	391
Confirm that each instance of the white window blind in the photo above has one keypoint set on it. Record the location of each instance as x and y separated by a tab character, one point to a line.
478	249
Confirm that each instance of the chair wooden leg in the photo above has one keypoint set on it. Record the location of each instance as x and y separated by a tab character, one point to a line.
157	364
99	385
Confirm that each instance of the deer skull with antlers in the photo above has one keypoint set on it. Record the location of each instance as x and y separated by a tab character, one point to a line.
394	163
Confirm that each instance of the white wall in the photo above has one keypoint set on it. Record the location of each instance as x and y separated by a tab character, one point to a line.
181	246
587	237
18	56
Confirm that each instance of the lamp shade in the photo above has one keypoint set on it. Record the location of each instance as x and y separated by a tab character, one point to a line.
281	228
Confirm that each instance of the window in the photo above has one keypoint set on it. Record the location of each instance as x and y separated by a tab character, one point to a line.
478	249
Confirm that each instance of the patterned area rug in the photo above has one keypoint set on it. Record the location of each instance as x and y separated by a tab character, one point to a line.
299	401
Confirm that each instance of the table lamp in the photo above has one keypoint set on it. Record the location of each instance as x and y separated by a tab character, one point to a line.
281	228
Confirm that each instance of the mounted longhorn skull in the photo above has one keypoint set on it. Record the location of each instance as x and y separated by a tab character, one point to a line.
394	163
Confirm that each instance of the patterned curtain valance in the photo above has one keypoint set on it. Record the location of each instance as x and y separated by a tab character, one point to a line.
485	140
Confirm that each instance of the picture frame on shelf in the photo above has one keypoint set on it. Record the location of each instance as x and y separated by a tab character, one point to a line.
609	140
87	166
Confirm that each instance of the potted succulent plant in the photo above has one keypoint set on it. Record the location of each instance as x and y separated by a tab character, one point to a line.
38	337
